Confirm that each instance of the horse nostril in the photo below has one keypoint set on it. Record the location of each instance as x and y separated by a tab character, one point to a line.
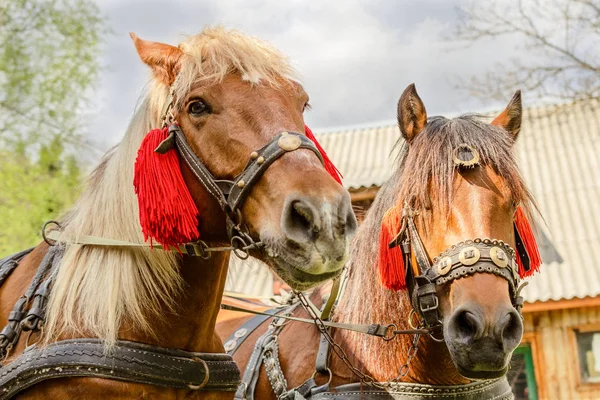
465	326
300	220
511	328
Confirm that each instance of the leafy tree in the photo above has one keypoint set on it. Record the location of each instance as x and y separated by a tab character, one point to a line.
48	65
34	189
560	54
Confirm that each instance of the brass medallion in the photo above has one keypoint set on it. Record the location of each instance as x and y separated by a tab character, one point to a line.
499	257
444	265
469	255
289	142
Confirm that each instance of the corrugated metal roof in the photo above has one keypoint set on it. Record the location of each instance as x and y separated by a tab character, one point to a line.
249	276
558	151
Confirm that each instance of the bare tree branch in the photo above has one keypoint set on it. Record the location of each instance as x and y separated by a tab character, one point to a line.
559	54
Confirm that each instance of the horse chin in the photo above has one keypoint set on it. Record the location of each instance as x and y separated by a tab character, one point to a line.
480	370
300	270
482	375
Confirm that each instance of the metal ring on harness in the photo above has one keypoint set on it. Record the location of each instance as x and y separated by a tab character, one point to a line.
45	226
320	373
239	247
411	315
206	377
434	338
204	251
390	328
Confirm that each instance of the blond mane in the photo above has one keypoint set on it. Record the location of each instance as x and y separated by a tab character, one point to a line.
99	289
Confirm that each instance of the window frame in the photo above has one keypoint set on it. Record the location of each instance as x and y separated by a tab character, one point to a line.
573	331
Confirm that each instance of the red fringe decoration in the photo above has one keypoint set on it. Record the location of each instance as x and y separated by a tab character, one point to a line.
333	171
390	261
168	213
524	228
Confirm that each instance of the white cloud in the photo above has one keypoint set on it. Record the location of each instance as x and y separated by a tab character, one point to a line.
355	56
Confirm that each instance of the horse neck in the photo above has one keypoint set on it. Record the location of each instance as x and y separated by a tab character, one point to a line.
384	359
191	326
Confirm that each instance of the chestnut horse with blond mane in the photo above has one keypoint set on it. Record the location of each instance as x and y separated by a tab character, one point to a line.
131	275
428	325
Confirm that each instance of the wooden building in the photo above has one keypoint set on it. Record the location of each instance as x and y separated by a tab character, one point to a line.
559	156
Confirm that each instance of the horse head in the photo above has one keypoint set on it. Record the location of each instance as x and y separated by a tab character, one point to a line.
234	98
460	199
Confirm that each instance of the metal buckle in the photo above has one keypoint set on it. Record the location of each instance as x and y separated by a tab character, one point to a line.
206	377
429	308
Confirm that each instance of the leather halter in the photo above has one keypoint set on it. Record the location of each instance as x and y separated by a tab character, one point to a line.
462	259
231	194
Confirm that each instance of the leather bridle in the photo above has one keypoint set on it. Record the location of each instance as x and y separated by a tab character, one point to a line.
462	259
231	194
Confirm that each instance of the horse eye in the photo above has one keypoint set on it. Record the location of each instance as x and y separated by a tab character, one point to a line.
306	107
198	107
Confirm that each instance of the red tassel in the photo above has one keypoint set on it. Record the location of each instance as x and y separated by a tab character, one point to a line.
333	171
390	261
524	228
168	213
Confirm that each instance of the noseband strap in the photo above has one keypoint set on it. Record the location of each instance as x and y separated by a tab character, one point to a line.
463	259
231	194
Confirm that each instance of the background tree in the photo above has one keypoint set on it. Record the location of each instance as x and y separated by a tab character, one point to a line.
48	64
560	57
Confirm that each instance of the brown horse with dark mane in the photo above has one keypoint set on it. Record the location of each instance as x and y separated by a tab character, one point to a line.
408	325
121	300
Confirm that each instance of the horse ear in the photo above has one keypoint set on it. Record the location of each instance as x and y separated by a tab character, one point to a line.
162	58
412	116
510	118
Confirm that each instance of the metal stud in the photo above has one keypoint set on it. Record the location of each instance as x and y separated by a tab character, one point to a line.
241	184
240	333
444	265
469	255
260	160
284	133
230	345
499	257
289	143
254	155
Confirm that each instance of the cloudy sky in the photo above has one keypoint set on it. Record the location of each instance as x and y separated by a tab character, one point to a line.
355	56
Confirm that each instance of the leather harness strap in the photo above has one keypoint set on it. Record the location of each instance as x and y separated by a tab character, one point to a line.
9	263
235	340
385	331
127	361
86	357
498	389
250	377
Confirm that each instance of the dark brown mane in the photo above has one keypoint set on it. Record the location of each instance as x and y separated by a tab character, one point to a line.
429	160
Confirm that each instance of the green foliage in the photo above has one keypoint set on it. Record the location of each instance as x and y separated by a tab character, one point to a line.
48	64
34	189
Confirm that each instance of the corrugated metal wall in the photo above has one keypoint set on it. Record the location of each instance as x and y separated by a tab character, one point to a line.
555	352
